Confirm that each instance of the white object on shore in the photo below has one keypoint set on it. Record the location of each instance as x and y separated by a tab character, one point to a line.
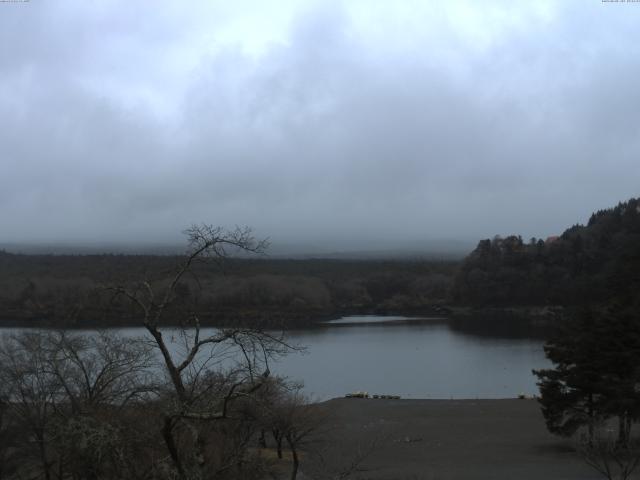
359	394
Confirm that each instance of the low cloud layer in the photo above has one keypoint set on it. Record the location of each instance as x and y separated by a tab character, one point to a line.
350	124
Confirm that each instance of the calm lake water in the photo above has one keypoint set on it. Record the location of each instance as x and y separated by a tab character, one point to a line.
414	358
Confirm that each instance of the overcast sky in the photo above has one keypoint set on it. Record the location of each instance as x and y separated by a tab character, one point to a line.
359	123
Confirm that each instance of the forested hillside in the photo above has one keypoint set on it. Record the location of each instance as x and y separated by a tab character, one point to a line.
594	263
71	288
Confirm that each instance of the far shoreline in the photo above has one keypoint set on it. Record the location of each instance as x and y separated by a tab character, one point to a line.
534	316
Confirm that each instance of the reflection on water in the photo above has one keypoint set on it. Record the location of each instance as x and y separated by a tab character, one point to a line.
417	360
501	326
378	319
414	358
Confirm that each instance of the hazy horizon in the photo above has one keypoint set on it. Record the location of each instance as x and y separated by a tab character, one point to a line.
330	125
434	249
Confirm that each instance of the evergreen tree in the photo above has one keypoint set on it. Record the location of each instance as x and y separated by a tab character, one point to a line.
586	264
620	355
596	373
570	392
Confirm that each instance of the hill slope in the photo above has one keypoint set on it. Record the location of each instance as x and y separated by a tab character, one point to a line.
593	263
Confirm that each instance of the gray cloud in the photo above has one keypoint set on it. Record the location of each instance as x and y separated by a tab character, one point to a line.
120	123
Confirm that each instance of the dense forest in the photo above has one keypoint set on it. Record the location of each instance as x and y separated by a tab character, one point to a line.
588	264
594	263
72	289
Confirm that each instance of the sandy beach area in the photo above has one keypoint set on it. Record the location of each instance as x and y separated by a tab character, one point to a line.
453	439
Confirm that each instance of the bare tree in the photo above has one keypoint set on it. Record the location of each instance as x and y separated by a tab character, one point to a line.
6	431
99	375
212	371
613	459
178	404
63	395
303	420
269	407
33	395
102	369
291	417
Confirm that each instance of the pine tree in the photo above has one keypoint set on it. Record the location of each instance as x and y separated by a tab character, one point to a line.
570	393
596	373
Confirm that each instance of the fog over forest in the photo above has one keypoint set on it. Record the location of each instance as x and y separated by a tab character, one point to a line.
359	125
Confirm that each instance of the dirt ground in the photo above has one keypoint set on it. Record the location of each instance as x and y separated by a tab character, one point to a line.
450	439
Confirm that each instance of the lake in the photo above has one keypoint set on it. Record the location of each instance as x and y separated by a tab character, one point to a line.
413	358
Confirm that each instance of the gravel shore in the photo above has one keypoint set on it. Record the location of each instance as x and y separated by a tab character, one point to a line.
453	439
